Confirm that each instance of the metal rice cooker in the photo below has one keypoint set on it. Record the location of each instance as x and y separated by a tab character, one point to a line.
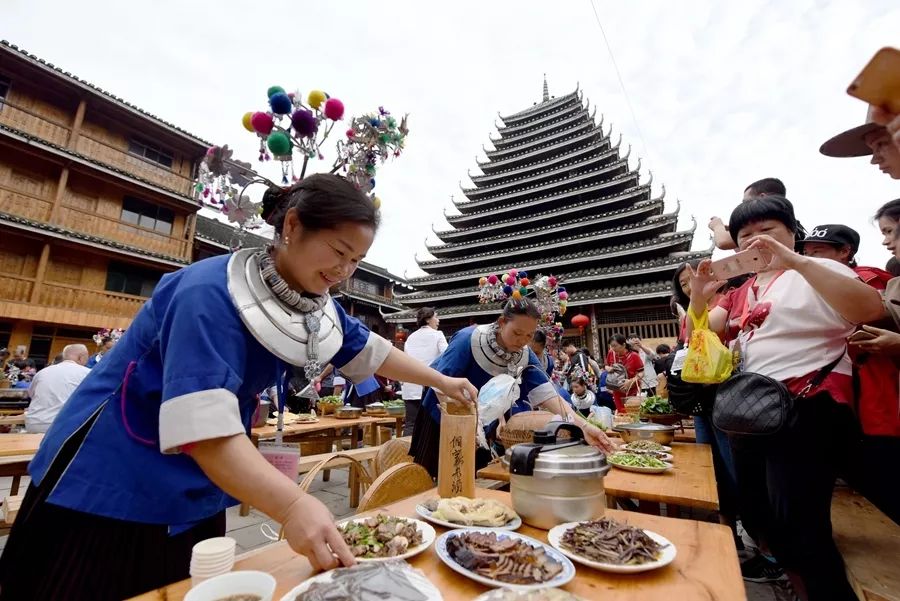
552	483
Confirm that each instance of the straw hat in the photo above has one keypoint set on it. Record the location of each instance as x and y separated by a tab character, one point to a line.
851	143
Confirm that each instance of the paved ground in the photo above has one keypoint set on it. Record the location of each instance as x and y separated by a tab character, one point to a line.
248	531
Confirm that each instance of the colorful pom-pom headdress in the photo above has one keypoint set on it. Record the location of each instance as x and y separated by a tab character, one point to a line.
545	291
290	130
112	333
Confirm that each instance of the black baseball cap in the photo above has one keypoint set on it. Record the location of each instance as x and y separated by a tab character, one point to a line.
833	233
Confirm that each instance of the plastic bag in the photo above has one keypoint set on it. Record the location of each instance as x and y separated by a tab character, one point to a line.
708	361
496	397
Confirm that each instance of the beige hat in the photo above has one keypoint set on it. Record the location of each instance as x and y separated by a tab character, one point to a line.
851	143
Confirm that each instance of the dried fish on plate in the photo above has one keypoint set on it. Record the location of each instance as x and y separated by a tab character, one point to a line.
609	545
394	580
503	558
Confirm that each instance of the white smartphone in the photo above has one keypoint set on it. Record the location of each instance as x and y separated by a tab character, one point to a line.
747	261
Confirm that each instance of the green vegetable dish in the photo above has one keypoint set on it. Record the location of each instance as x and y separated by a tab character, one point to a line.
331	400
394	403
656	405
635	460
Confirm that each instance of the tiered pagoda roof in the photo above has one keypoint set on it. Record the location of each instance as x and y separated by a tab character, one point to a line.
555	196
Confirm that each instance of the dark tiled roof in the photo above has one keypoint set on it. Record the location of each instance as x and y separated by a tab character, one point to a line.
371	298
540	106
597	218
222	233
603	295
563	115
678	237
25	54
88	238
505	174
567	208
88	159
580	275
662	220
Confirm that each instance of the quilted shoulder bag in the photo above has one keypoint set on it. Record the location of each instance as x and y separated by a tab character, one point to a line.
751	404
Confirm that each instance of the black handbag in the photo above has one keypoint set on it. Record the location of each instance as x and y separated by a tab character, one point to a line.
750	404
688	398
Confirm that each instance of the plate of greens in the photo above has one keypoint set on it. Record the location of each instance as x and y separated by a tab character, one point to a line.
636	462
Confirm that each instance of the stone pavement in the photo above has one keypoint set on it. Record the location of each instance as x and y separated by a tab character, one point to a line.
334	493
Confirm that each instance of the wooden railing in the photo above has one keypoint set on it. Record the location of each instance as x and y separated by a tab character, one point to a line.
16	288
74	298
39	209
58	133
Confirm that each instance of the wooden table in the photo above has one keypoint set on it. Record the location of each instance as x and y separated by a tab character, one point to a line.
325	423
19	444
706	566
12	420
690	483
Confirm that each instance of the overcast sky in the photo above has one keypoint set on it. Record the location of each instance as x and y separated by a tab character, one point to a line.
724	93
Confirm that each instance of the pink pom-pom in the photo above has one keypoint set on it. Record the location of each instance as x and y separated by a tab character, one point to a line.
552	281
262	123
334	109
510	279
350	133
492	279
563	295
211	150
514	272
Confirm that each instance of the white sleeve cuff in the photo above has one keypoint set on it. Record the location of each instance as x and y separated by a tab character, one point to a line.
368	360
197	416
542	394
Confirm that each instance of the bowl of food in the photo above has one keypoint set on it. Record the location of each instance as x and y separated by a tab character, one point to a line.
347	412
659	411
395	408
327	404
660	433
235	586
376	409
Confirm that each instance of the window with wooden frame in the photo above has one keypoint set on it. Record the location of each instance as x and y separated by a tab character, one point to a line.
150	152
147	215
131	279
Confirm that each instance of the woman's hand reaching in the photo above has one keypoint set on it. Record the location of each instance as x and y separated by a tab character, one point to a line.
459	389
703	285
776	254
597	438
309	529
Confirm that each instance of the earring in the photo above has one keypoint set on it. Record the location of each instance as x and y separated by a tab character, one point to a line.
287	241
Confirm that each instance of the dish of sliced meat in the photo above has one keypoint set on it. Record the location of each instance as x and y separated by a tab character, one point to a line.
504	559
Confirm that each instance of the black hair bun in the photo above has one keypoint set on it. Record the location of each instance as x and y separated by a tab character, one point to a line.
271	201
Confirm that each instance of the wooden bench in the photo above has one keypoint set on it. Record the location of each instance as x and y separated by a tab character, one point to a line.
10	508
868	540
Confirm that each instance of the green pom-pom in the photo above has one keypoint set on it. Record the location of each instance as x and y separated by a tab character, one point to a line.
523	290
279	143
384	138
274	90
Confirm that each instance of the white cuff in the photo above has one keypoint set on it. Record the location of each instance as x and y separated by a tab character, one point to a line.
197	416
542	394
368	360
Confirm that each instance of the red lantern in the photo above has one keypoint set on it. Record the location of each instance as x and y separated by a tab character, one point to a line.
400	335
581	321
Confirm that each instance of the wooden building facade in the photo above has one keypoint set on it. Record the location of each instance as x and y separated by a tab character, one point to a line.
96	204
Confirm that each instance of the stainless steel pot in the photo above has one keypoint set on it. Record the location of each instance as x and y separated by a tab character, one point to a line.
657	432
553	483
347	412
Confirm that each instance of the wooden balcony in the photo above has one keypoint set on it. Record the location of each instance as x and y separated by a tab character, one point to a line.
63	304
90	145
76	219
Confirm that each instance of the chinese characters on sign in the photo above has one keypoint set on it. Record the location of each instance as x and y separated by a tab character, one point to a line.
456	451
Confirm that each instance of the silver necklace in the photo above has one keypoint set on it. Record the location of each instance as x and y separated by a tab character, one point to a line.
303	304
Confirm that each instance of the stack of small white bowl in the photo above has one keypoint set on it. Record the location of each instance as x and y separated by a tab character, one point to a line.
212	557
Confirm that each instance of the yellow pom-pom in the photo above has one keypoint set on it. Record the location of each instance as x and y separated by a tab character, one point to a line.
377	202
482	281
516	294
245	121
316	98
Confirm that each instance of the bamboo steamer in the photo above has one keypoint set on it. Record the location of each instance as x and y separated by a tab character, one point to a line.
520	427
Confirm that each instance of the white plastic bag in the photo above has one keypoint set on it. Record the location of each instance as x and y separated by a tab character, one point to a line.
497	396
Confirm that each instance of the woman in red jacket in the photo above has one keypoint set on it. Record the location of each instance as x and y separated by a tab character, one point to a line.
620	352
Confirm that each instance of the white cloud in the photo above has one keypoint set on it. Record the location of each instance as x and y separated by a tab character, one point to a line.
725	93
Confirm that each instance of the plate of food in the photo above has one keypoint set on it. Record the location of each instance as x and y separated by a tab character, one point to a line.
396	580
637	462
612	546
646	445
382	537
544	594
504	559
461	512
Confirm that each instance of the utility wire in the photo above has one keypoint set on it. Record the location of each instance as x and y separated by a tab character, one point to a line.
621	82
